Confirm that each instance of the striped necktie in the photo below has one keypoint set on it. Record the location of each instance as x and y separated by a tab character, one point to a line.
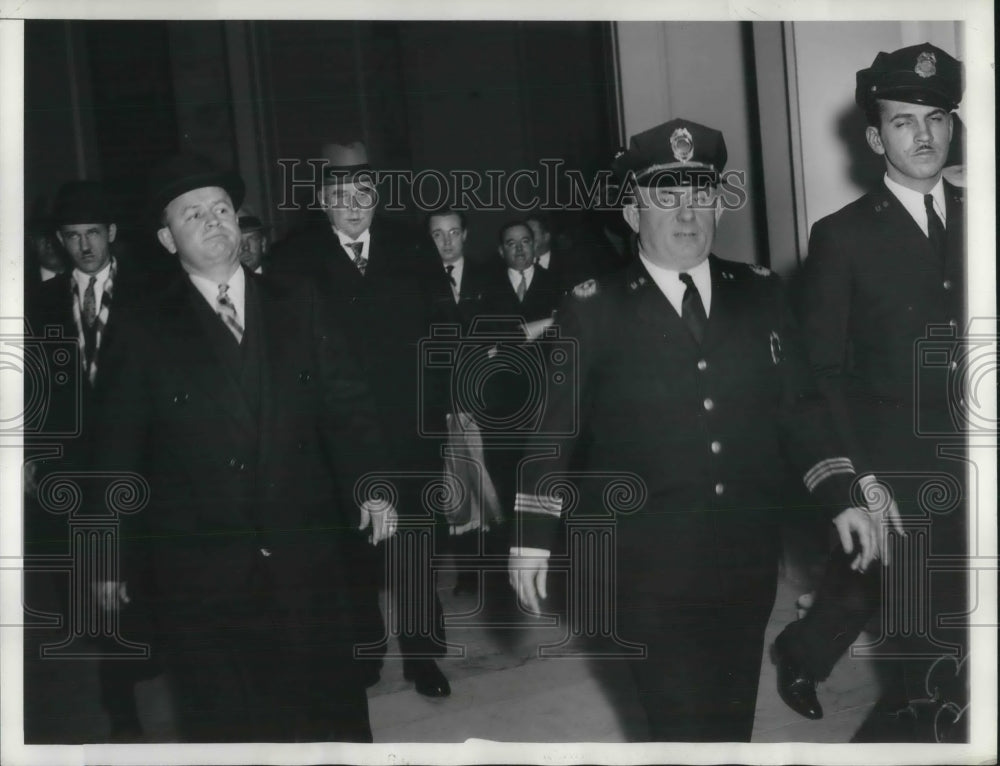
522	287
357	248
226	310
90	303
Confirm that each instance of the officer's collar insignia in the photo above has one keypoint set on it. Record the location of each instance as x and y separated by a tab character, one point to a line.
682	145
619	153
760	270
727	275
585	289
642	280
926	64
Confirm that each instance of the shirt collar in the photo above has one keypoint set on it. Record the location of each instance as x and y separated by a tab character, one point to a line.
544	259
82	279
913	201
209	290
345	240
668	280
515	275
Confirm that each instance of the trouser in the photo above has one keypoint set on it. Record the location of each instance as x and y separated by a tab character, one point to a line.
265	665
699	681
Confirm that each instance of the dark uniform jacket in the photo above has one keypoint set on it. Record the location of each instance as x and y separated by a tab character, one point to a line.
872	287
705	432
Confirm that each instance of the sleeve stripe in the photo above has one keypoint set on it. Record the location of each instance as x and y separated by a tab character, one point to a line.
541	504
824	469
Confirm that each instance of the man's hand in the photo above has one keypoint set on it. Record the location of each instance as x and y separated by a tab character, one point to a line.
110	594
382	517
853	522
527	574
882	508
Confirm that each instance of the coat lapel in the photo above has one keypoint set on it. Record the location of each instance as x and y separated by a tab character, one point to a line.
195	354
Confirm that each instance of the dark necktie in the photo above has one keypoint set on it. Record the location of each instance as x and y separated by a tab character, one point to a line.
692	309
90	303
451	277
935	229
357	248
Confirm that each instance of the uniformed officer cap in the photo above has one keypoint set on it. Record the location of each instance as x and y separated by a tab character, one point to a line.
918	74
81	202
676	153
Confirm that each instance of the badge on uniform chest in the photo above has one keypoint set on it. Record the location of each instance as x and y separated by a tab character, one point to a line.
775	347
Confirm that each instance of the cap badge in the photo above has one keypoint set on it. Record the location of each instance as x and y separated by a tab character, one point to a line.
926	64
682	145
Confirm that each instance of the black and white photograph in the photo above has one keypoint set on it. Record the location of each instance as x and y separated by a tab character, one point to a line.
446	383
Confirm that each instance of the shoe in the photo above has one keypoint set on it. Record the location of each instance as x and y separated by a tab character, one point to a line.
427	677
796	687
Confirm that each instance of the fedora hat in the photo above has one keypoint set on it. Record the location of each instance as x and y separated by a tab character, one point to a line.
181	173
344	162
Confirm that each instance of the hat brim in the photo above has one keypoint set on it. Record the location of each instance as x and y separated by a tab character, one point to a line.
228	180
337	175
916	95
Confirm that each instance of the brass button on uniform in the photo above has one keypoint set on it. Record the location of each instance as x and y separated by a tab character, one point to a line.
946	284
720	488
709	405
702	365
716	447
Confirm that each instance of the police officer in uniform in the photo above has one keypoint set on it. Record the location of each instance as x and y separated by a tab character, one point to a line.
691	376
880	272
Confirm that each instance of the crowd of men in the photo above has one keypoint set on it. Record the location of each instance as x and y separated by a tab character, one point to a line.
259	385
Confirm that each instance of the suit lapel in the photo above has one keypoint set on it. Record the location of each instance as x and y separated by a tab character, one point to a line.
196	354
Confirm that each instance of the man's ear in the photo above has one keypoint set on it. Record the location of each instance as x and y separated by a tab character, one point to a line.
631	215
874	138
112	231
166	239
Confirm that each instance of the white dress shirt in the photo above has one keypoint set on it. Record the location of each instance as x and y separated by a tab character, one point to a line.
544	259
913	201
47	274
669	282
82	280
237	293
345	242
515	278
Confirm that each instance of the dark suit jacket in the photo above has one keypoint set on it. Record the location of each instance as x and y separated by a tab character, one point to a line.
229	476
384	314
871	287
540	301
71	401
473	293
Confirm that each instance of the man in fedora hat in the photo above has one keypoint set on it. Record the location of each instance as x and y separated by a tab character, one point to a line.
254	242
375	279
694	381
251	427
88	303
882	272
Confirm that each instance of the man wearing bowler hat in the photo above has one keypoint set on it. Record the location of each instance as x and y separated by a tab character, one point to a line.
881	274
691	377
375	280
88	304
251	427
